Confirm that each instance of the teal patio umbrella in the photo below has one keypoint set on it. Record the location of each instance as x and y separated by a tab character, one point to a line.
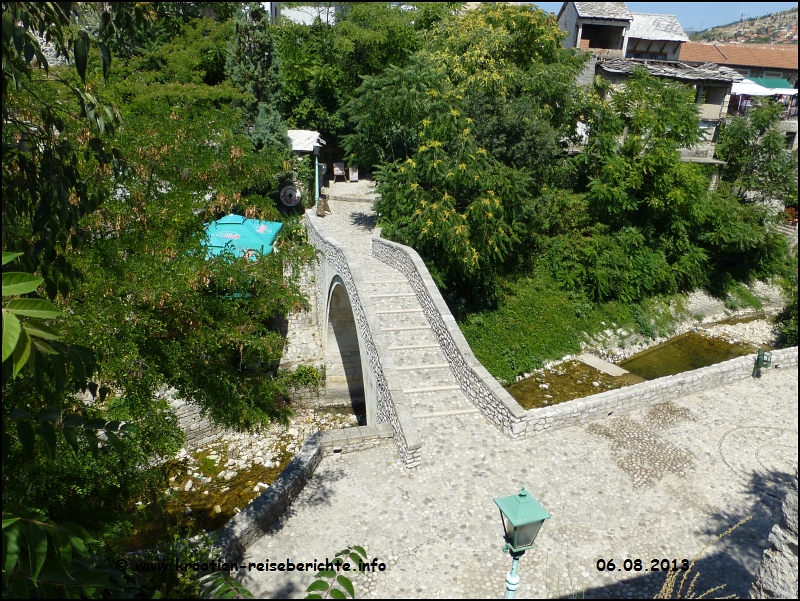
240	235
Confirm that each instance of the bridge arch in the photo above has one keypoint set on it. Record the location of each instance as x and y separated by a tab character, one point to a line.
345	371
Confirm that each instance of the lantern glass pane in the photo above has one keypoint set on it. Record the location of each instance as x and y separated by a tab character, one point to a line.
527	533
509	529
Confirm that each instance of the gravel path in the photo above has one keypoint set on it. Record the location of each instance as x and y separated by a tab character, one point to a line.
656	483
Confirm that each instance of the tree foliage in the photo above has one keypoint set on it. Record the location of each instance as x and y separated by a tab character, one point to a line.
252	65
322	64
660	229
759	166
147	302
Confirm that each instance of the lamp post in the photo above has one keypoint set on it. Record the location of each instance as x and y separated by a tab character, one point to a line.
317	148
522	519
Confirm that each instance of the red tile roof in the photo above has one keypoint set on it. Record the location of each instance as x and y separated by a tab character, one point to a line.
746	55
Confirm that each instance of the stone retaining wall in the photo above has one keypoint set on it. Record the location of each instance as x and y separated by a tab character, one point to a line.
256	519
502	409
381	381
198	429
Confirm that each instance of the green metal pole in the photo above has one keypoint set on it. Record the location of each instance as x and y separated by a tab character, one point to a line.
512	578
757	366
316	182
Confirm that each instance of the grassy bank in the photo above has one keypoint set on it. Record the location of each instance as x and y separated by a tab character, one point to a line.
536	321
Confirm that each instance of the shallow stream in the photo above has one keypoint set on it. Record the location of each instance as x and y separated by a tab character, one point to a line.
683	353
574	379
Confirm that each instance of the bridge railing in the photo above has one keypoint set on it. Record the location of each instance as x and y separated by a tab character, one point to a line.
475	381
392	406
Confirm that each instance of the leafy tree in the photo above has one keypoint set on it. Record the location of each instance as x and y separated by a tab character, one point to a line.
149	305
387	111
759	166
509	66
44	192
454	203
322	64
252	65
659	229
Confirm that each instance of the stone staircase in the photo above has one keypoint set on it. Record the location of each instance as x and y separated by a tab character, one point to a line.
427	380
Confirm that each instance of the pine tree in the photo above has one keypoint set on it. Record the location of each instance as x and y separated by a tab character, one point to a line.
252	65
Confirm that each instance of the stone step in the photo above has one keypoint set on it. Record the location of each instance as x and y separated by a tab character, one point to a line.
432	389
405	328
413	347
445	413
440	400
397	304
393	295
397	311
423	366
403	281
423	357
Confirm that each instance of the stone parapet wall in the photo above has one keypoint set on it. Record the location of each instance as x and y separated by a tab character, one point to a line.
621	400
254	520
476	382
349	440
258	517
503	410
385	383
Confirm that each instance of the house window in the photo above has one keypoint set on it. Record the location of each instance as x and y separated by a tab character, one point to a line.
743	72
773	74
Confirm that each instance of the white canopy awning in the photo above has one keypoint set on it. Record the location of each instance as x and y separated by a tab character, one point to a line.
751	88
303	140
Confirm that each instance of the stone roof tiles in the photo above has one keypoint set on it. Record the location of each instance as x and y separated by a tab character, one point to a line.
646	26
603	10
680	71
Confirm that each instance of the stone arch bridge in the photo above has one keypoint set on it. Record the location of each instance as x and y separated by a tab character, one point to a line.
388	336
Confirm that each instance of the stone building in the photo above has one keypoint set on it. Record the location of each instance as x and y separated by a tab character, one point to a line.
608	30
619	41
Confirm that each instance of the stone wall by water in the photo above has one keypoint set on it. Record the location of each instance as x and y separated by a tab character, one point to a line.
777	575
503	410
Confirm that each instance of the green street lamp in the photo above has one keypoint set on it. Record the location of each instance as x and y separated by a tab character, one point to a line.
522	519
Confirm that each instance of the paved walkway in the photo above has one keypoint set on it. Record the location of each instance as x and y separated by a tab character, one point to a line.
652	484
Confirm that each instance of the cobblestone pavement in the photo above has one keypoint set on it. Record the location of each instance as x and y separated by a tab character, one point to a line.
438	530
657	483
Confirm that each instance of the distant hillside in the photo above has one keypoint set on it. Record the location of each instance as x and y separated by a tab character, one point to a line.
775	28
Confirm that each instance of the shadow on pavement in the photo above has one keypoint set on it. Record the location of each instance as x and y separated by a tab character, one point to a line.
732	561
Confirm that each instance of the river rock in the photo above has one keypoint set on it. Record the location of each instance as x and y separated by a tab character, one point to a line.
217	509
188	486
